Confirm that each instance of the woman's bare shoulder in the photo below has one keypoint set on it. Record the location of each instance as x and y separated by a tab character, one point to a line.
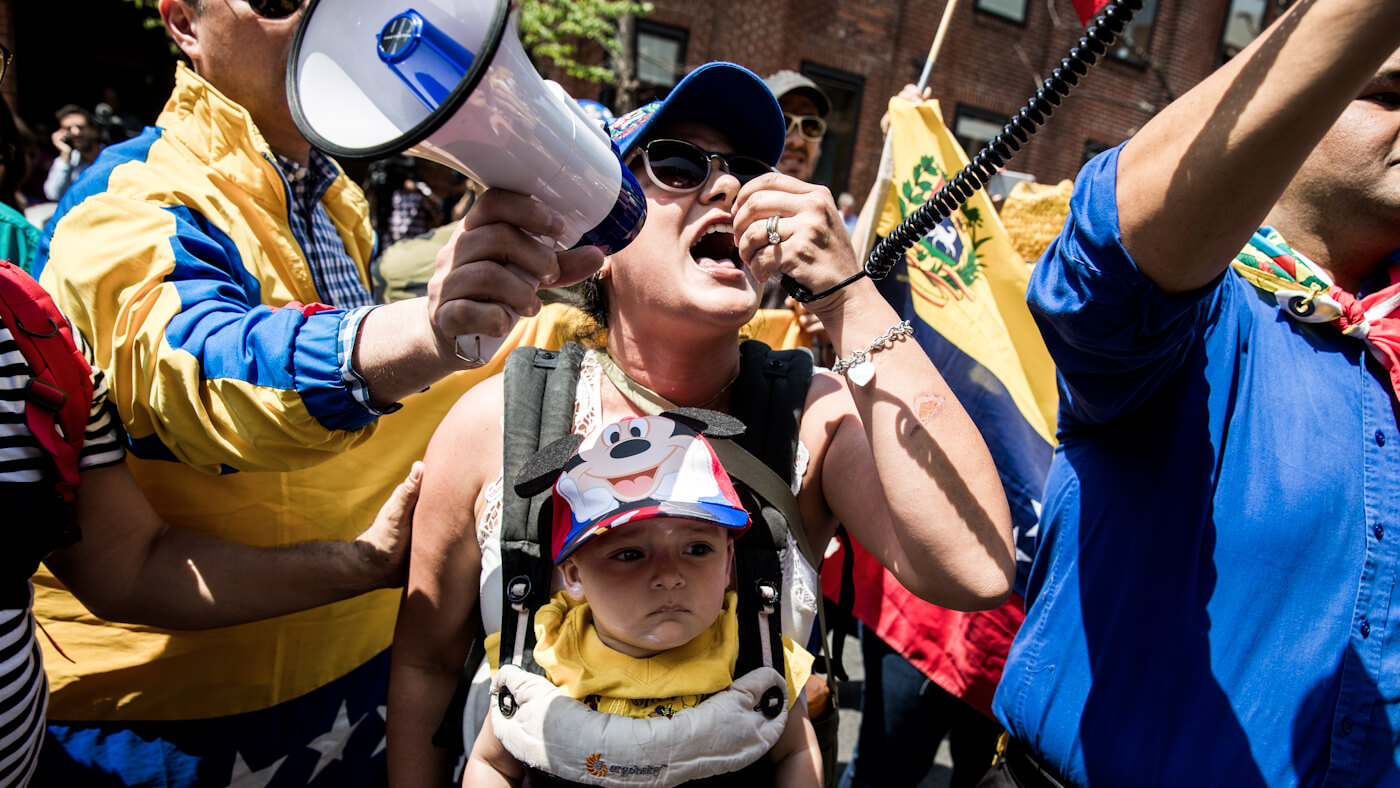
468	440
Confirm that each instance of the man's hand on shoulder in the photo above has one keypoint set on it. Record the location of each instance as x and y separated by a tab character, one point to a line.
384	545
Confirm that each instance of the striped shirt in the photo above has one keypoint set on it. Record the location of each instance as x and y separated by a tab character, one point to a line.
23	689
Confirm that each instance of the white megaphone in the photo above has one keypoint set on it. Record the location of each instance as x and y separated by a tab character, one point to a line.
447	80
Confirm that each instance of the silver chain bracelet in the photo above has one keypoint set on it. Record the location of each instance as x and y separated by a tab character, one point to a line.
858	368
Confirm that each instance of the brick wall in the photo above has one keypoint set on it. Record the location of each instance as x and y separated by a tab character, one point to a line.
986	62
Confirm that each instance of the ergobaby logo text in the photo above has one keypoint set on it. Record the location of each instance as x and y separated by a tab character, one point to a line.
597	767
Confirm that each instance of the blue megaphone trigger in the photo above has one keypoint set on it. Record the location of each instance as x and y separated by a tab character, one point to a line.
625	220
428	61
432	65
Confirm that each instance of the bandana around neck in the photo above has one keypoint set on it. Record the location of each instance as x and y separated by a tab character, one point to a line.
1306	293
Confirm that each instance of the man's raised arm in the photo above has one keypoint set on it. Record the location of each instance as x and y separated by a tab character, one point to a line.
1200	177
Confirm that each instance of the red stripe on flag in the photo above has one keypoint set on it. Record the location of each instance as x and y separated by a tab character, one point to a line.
963	653
1087	8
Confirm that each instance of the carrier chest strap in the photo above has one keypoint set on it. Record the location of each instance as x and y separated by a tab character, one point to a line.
540	389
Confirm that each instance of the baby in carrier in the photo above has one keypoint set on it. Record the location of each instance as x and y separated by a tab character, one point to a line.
639	649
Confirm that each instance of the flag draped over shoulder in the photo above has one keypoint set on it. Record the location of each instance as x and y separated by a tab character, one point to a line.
1087	8
963	288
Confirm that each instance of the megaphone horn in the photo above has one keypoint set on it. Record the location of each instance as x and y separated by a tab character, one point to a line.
449	81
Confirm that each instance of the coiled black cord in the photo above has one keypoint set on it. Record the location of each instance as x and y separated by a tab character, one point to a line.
1100	35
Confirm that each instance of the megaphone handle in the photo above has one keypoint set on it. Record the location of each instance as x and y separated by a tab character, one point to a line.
478	349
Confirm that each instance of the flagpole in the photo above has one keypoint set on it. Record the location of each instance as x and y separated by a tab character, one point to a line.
869	214
943	25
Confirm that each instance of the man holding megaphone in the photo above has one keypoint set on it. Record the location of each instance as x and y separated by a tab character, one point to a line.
218	265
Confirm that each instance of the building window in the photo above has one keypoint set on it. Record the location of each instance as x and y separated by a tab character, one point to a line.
1244	22
1015	10
1136	42
839	145
975	127
660	58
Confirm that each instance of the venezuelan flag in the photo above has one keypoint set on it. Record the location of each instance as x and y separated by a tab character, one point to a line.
963	288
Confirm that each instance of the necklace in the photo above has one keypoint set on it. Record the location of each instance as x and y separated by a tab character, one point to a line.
719	393
648	401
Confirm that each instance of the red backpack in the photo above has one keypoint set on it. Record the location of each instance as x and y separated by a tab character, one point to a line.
58	396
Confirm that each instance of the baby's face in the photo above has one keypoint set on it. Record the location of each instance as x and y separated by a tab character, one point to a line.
653	585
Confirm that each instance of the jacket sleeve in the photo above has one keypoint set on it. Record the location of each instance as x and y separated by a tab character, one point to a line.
202	371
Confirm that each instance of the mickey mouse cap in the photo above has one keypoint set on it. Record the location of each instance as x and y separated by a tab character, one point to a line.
638	469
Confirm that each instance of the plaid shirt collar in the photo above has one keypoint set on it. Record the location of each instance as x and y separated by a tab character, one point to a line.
332	269
308	182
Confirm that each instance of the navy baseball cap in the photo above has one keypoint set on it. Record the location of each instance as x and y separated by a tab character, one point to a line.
724	95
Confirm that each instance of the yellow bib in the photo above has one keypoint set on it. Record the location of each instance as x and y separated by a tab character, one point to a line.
576	660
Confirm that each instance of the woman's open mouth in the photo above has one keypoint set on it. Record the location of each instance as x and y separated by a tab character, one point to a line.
715	248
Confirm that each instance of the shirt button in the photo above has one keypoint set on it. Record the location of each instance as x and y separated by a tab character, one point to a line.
1365	629
1379	531
1380	438
1346	726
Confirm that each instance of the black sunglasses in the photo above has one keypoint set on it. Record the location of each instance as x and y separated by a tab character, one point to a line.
275	9
811	127
680	166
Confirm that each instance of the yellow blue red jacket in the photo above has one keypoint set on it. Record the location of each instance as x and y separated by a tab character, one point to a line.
174	258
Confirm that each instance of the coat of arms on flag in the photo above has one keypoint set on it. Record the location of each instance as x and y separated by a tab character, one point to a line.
948	262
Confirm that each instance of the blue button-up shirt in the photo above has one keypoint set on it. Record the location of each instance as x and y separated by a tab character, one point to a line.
1211	600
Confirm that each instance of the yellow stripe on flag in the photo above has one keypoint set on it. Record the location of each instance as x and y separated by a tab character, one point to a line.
967	280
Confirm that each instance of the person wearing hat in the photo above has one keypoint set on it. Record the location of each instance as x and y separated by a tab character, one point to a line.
644	523
805	108
889	453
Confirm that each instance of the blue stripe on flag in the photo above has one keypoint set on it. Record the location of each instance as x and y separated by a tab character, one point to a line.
332	736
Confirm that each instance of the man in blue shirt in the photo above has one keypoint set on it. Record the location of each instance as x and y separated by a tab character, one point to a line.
1212	600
